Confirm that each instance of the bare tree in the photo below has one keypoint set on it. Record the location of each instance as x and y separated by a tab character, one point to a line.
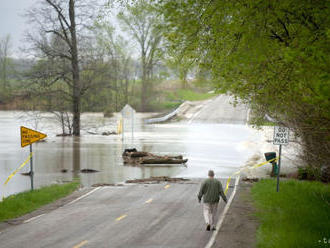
61	26
65	120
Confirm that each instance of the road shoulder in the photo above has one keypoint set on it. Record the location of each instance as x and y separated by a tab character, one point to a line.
45	209
240	226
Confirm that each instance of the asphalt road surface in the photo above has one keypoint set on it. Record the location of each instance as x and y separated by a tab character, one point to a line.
221	110
140	215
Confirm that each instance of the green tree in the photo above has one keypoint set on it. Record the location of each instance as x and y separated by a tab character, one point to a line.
272	54
143	24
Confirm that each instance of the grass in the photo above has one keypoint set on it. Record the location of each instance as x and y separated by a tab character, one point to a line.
173	99
189	95
26	202
297	216
169	105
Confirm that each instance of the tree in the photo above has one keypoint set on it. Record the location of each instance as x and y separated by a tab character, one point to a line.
5	62
117	61
60	26
143	24
273	55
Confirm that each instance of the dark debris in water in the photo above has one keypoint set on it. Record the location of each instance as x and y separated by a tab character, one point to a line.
250	180
135	157
26	173
158	180
106	184
88	171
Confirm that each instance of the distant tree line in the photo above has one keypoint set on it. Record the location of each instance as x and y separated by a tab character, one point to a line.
80	63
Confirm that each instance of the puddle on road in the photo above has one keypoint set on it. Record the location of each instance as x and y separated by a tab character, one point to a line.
207	146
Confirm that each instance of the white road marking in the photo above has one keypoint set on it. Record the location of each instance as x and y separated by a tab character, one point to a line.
83	196
198	112
79	198
222	216
33	218
248	116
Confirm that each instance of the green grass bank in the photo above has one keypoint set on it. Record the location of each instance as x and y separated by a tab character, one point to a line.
173	98
297	216
26	202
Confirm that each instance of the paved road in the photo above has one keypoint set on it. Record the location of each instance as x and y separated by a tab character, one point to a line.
221	110
154	215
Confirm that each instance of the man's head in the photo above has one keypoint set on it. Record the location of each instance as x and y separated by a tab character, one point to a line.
211	173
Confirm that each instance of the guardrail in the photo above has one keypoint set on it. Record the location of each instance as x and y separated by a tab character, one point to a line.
163	118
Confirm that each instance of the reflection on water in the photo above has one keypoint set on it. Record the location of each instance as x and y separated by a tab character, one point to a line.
216	147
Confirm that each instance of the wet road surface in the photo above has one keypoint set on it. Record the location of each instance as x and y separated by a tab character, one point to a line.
221	110
141	215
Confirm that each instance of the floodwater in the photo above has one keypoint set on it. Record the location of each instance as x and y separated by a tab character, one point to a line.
221	147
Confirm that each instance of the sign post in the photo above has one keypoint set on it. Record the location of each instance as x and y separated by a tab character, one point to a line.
31	168
29	136
281	137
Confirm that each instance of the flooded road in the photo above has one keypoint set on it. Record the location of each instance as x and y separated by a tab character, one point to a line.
221	147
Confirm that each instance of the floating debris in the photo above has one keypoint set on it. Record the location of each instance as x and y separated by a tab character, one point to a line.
106	184
88	171
26	173
107	133
63	135
134	157
158	180
250	180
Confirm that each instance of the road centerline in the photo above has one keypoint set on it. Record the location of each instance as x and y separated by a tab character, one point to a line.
167	186
121	217
82	243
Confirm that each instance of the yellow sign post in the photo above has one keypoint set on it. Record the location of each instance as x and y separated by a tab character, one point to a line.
29	136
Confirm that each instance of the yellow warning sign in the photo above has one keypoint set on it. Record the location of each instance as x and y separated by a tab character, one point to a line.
29	136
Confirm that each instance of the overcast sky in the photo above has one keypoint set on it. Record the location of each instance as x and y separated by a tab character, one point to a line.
13	22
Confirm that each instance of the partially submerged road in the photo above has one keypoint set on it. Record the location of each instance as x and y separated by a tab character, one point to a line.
140	215
221	110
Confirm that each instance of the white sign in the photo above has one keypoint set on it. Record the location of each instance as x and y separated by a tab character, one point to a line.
127	111
281	136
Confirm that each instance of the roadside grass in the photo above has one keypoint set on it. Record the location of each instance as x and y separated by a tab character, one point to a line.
169	105
26	202
173	99
189	95
297	216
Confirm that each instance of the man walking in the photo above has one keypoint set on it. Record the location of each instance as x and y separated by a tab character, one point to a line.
210	190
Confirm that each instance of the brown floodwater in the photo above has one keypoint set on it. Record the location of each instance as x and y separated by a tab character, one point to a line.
221	147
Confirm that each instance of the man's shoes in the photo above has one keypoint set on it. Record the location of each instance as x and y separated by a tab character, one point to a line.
208	227
213	228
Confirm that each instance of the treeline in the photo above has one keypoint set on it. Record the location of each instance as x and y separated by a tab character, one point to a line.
80	62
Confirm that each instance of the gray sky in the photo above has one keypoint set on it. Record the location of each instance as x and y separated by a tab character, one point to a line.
13	22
